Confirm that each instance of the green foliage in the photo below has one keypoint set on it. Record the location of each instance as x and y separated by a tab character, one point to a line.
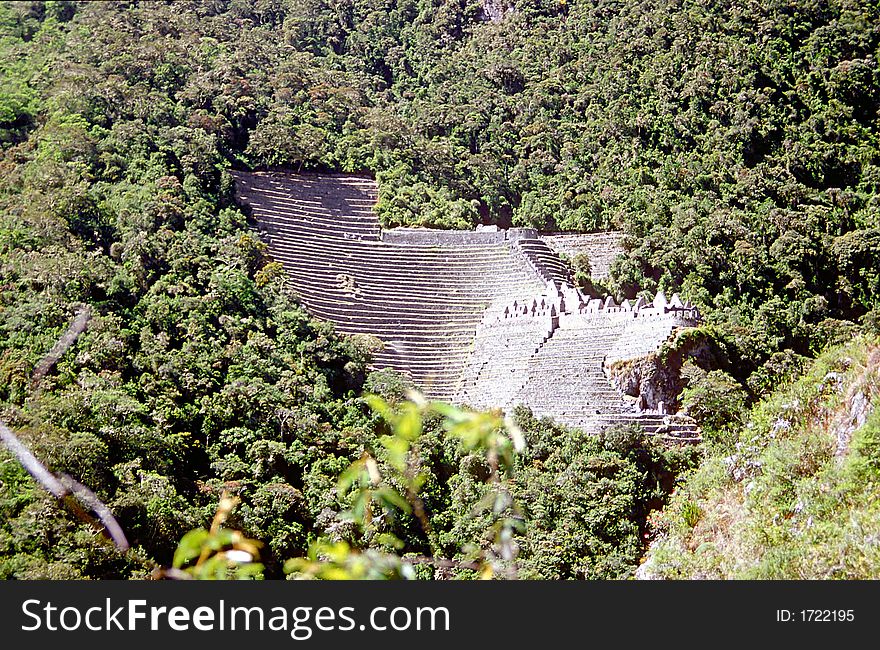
587	499
736	146
396	479
338	561
716	401
690	514
198	372
219	553
525	498
795	497
581	267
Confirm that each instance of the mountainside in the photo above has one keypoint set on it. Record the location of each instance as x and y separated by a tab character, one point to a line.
734	145
793	493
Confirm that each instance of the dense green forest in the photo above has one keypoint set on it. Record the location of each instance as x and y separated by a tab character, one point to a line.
736	144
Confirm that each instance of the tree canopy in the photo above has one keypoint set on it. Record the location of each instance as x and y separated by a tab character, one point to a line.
735	144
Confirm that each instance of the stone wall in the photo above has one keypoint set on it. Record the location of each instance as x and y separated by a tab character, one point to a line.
430	237
650	325
479	236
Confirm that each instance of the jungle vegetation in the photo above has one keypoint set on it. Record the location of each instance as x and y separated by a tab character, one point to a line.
735	143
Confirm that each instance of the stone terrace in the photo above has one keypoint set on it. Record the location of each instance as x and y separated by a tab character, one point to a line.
486	318
421	297
551	352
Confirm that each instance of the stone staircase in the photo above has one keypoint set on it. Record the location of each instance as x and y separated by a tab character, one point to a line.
547	264
508	337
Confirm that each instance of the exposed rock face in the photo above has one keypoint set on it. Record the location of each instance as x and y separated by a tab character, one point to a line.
494	10
486	317
858	406
656	387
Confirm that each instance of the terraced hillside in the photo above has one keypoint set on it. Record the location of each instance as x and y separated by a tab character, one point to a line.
487	318
423	300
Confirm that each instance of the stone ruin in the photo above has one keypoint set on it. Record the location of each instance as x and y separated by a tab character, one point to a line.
486	318
552	352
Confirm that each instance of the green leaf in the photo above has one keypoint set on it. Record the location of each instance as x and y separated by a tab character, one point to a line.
379	405
387	539
397	449
190	547
392	498
355	473
409	424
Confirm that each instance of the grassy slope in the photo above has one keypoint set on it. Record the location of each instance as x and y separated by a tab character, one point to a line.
796	495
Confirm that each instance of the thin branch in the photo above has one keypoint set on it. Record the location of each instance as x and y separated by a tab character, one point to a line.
416	502
77	327
103	513
41	475
66	489
170	574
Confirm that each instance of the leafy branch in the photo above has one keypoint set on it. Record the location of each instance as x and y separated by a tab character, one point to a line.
219	553
380	489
